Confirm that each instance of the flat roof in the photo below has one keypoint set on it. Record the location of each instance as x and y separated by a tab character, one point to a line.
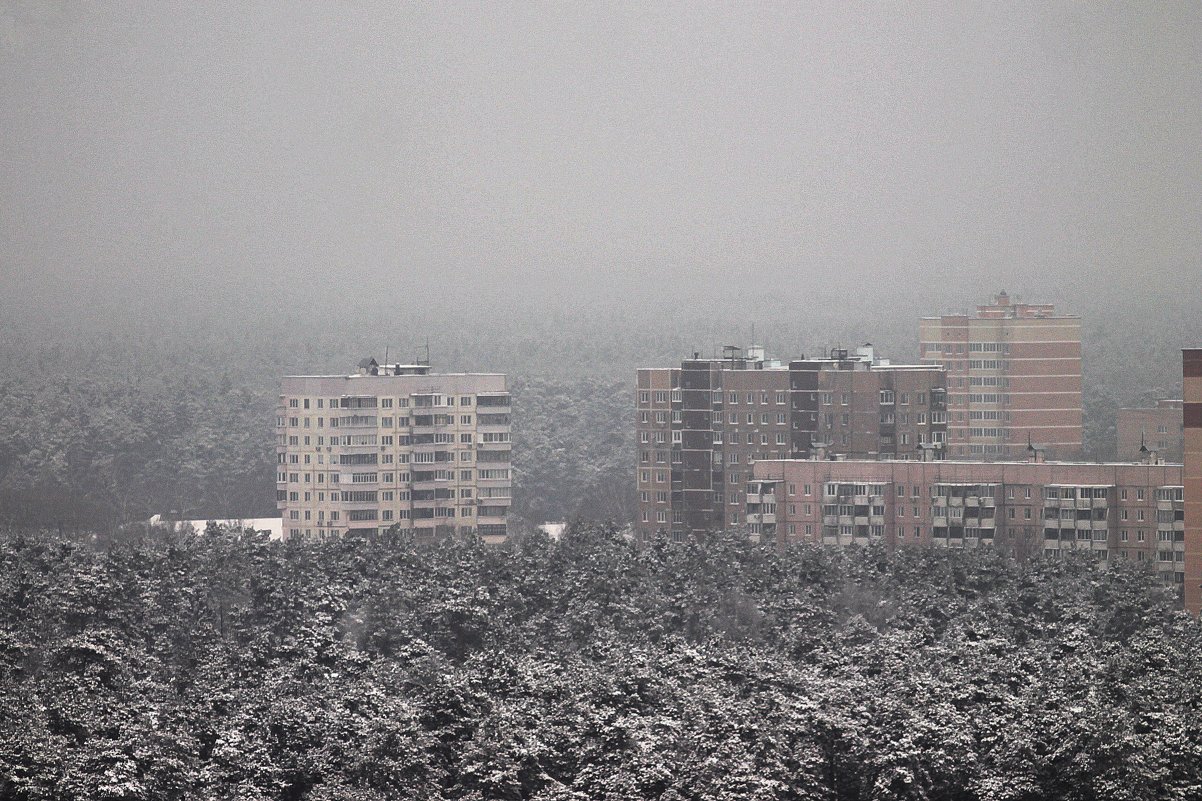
971	462
991	318
390	375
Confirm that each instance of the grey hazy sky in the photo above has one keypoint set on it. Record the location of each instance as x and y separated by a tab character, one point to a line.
153	150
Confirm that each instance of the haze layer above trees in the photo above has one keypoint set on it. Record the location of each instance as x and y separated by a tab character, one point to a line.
175	410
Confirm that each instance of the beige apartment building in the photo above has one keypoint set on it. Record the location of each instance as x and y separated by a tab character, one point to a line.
1133	511
1013	376
394	447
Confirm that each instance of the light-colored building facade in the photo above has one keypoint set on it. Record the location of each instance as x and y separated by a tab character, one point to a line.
1157	429
1192	419
394	448
1129	511
1013	375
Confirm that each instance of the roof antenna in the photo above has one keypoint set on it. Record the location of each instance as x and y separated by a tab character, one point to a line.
385	354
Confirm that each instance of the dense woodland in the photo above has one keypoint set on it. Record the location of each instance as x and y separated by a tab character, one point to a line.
221	665
110	425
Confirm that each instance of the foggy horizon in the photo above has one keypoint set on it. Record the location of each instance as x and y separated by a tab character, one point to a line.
573	158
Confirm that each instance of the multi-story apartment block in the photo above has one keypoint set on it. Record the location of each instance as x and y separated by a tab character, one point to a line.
393	447
1116	511
1157	429
703	425
1192	418
871	409
1013	377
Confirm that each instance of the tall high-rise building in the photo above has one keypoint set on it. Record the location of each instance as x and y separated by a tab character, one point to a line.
1192	468
1117	511
1157	429
1013	376
703	425
393	447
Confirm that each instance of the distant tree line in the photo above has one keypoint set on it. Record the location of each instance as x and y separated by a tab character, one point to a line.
221	665
99	431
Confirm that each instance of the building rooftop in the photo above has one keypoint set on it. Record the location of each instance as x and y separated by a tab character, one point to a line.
1041	462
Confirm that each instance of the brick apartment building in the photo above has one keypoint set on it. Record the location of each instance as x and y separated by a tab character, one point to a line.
1192	417
1159	429
1116	511
702	426
1013	375
393	445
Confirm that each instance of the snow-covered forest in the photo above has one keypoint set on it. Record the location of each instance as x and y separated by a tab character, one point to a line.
225	666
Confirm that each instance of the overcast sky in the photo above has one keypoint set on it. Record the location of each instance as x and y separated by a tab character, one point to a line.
597	152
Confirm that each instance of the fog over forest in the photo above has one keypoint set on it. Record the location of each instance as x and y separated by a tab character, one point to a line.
197	199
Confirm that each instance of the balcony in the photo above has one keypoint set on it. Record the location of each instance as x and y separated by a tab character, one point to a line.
495	404
357	421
